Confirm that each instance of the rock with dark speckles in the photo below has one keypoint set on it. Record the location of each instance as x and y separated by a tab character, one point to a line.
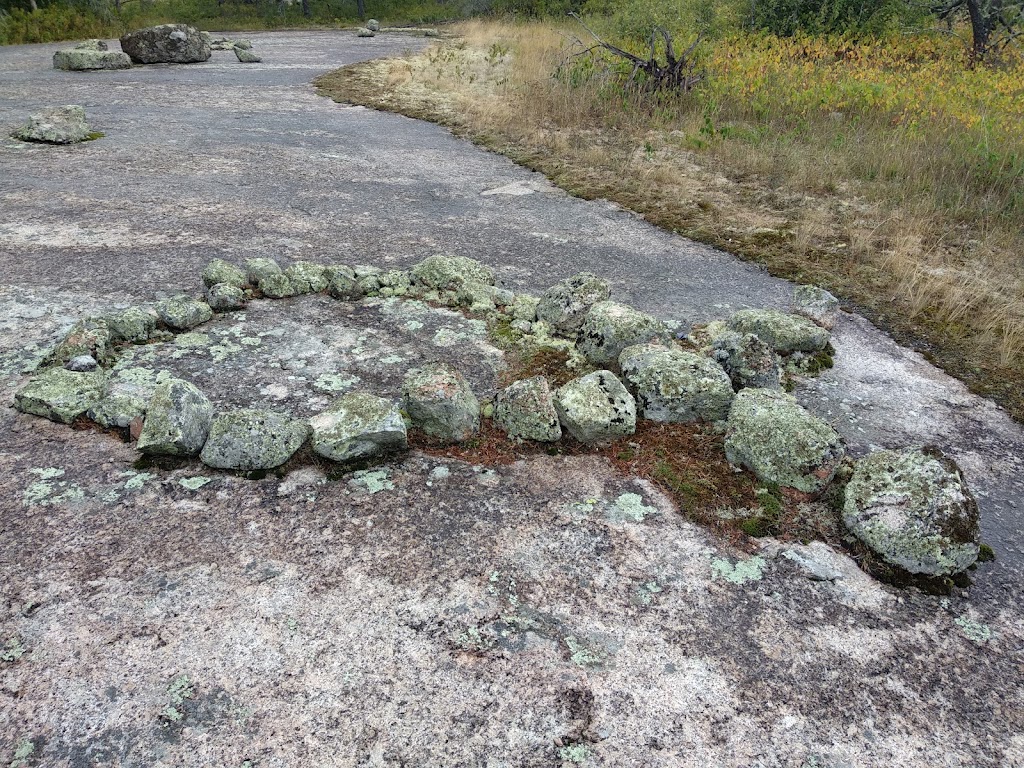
358	426
526	409
564	305
251	439
439	401
676	386
784	332
596	408
610	327
178	418
224	298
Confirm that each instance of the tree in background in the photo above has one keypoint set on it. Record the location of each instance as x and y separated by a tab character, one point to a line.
995	24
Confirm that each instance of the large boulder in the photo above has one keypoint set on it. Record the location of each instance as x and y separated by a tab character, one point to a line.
784	332
448	273
748	361
358	426
914	510
526	409
564	305
85	60
178	418
61	125
781	442
596	408
438	400
252	439
610	327
675	386
166	44
60	395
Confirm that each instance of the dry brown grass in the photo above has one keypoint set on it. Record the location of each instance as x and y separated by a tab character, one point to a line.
888	226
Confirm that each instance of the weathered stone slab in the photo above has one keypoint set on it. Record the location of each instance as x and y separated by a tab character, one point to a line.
60	395
86	60
358	426
61	125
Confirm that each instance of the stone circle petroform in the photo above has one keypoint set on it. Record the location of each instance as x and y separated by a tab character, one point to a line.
911	508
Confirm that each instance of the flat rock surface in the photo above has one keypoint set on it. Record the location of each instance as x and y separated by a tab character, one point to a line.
424	612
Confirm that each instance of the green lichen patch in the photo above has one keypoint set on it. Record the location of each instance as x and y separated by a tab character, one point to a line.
179	691
574	753
372	481
61	395
974	631
48	490
136	480
11	650
194	483
630	507
22	754
740	572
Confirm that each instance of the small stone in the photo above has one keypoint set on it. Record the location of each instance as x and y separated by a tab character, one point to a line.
526	409
223	272
182	313
781	442
364	32
252	439
178	418
609	328
675	386
245	56
60	395
596	408
784	332
373	25
277	286
817	305
913	509
62	125
358	426
86	60
258	269
224	298
439	401
82	363
748	361
444	273
306	277
342	284
565	305
134	325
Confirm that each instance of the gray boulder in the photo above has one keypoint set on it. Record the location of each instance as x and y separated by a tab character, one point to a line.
816	304
610	327
784	332
166	44
674	386
256	270
61	125
134	325
306	277
364	32
178	418
82	363
125	398
781	442
86	60
342	283
252	439
244	43
246	56
748	361
182	313
60	395
448	273
526	409
373	25
224	298
358	426
223	272
564	305
91	45
439	401
596	408
914	510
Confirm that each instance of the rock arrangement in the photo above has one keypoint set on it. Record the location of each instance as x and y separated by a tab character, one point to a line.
911	508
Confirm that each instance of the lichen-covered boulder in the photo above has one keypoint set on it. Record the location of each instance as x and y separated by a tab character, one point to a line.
277	286
524	307
95	44
125	397
675	386
376	282
182	313
781	442
816	304
224	298
610	327
914	510
306	277
243	42
443	273
439	401
61	125
166	44
246	56
60	395
259	268
88	60
221	272
364	32
342	283
748	361
89	336
134	325
526	409
564	305
178	419
373	25
783	331
251	439
596	408
358	426
478	298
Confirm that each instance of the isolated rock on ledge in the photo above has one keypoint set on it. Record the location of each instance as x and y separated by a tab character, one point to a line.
781	442
61	125
166	44
914	510
87	59
358	426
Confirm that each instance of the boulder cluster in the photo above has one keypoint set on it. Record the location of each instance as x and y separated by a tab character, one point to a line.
912	508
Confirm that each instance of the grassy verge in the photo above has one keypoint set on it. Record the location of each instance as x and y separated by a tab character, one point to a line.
887	172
